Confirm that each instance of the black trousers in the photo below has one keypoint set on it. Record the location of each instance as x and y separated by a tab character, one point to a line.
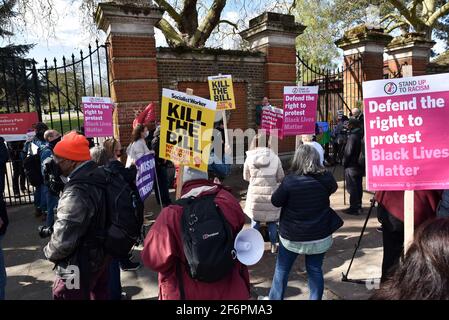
354	179
162	185
393	240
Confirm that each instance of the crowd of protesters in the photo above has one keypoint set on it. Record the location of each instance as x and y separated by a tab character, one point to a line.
294	206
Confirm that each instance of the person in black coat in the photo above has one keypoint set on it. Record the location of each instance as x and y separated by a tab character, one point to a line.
4	157
3	225
307	221
353	168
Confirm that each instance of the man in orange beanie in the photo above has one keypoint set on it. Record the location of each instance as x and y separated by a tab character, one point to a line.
80	260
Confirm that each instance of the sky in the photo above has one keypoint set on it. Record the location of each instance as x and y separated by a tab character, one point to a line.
70	36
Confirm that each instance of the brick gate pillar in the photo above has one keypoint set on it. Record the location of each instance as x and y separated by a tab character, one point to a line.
274	34
132	60
367	45
412	50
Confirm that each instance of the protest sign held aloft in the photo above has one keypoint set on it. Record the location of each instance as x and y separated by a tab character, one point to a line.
272	120
222	91
97	116
186	129
406	133
145	175
300	104
15	126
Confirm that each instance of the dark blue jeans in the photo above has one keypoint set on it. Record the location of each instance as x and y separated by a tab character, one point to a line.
284	264
52	204
115	286
40	197
2	272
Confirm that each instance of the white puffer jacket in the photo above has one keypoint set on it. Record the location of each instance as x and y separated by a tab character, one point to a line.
263	170
135	151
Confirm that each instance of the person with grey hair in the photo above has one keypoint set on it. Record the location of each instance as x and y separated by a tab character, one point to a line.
307	221
358	115
308	139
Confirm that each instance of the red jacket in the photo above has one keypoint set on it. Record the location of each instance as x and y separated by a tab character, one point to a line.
163	249
425	203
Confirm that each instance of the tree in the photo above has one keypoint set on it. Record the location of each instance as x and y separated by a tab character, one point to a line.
13	65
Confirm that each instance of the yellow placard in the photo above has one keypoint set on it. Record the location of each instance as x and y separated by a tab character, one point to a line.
222	92
186	129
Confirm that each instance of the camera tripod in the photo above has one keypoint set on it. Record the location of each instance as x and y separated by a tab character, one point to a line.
344	277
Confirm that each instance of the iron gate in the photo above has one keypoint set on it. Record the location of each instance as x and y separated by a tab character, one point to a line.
54	91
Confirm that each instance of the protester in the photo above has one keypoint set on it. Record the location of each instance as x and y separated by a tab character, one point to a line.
163	191
443	208
390	213
52	182
424	272
163	251
3	226
219	162
73	242
259	109
18	177
3	160
263	170
113	150
339	136
354	170
358	115
138	148
307	221
308	139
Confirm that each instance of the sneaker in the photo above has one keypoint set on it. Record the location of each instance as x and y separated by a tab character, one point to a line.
263	298
274	248
130	266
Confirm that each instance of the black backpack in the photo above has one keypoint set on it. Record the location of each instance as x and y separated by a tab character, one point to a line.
123	207
32	169
207	237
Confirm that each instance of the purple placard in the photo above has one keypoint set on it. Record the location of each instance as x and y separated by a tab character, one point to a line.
145	175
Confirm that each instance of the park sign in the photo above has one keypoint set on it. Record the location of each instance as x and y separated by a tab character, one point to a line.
15	126
97	116
406	133
222	91
300	105
186	129
272	120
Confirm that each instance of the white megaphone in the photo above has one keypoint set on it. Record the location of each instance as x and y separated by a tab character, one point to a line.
249	246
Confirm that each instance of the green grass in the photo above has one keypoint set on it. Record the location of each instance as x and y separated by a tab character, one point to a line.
66	124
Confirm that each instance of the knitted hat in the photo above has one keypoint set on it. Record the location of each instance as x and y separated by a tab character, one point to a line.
193	174
73	146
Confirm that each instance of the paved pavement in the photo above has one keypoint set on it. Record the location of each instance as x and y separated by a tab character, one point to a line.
30	276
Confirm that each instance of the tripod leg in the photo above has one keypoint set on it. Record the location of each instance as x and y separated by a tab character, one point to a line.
373	203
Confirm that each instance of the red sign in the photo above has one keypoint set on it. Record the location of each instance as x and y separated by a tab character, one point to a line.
14	126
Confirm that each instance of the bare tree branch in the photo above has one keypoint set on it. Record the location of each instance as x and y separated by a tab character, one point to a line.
210	21
394	27
173	37
189	17
232	24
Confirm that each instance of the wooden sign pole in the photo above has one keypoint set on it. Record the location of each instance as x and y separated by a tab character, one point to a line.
409	221
179	178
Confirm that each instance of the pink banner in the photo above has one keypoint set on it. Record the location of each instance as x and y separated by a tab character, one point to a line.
300	104
406	133
272	119
98	117
14	126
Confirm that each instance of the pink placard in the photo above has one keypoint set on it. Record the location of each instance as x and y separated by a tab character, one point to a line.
272	119
300	104
98	116
406	133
